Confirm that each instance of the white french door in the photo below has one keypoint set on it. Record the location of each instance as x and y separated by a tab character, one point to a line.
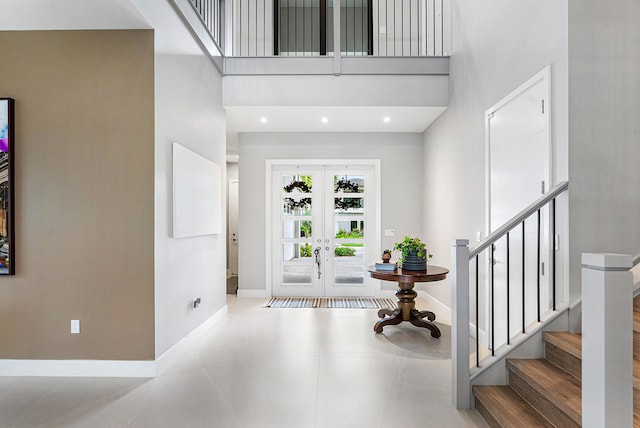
322	230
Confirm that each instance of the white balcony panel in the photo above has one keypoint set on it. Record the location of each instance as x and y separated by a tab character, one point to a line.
395	65
243	66
345	90
239	66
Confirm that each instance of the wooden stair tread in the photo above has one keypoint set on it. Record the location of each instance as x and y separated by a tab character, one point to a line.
636	421
636	320
636	368
568	342
507	407
559	387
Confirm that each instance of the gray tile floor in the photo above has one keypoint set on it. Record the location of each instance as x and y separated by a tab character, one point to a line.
262	367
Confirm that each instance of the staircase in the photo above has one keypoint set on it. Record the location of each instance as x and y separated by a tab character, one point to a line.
547	392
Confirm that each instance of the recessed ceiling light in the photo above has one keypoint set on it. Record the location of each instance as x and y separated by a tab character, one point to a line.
325	120
387	119
263	120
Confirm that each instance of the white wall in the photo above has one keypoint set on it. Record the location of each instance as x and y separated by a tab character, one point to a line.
604	149
497	45
188	111
401	173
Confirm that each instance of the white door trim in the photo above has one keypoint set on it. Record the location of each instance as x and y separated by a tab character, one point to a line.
271	163
230	251
543	76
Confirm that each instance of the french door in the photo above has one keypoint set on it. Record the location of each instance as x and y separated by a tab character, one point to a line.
322	230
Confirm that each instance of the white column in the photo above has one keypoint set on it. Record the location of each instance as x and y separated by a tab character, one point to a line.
460	384
607	341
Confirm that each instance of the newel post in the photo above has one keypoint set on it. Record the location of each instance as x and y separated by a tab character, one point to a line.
607	340
460	384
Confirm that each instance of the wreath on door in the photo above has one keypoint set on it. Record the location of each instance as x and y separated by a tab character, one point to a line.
302	203
346	186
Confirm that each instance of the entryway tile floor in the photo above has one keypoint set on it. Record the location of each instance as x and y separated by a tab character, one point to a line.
264	367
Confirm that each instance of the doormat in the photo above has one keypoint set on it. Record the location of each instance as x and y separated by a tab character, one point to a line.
330	302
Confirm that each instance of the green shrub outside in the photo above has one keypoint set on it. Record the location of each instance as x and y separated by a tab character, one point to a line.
345	252
305	250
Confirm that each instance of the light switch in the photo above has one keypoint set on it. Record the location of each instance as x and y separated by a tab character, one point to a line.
75	326
389	232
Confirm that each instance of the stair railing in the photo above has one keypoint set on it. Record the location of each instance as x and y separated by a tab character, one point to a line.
464	261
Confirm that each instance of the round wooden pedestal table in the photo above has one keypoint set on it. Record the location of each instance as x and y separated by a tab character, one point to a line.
406	295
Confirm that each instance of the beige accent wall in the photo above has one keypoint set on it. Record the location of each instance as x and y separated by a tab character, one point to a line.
84	195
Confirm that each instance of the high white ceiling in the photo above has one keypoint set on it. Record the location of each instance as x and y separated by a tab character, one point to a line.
69	15
170	37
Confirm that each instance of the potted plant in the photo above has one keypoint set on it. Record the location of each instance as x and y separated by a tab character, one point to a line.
413	253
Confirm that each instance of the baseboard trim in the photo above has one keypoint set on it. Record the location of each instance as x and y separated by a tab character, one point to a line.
174	353
253	294
78	368
107	368
442	311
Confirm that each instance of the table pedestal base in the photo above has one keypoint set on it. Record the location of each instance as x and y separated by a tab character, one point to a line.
406	312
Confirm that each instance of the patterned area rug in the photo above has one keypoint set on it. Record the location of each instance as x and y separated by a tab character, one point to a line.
330	302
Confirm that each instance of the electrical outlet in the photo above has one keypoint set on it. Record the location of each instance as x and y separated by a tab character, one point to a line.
75	326
389	232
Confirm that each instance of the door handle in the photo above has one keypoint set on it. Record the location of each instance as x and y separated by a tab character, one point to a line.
316	252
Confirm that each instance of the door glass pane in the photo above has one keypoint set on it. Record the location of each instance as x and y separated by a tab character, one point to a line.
297	274
346	228
297	183
295	229
348	183
296	252
348	253
344	206
297	205
349	275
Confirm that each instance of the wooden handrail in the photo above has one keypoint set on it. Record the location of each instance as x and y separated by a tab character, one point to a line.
518	218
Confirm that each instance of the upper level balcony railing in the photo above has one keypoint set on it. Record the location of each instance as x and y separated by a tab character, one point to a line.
366	27
212	14
262	28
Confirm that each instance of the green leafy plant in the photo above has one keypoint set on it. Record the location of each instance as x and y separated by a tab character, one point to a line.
305	228
409	245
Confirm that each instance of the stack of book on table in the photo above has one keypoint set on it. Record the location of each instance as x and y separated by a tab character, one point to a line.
391	266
